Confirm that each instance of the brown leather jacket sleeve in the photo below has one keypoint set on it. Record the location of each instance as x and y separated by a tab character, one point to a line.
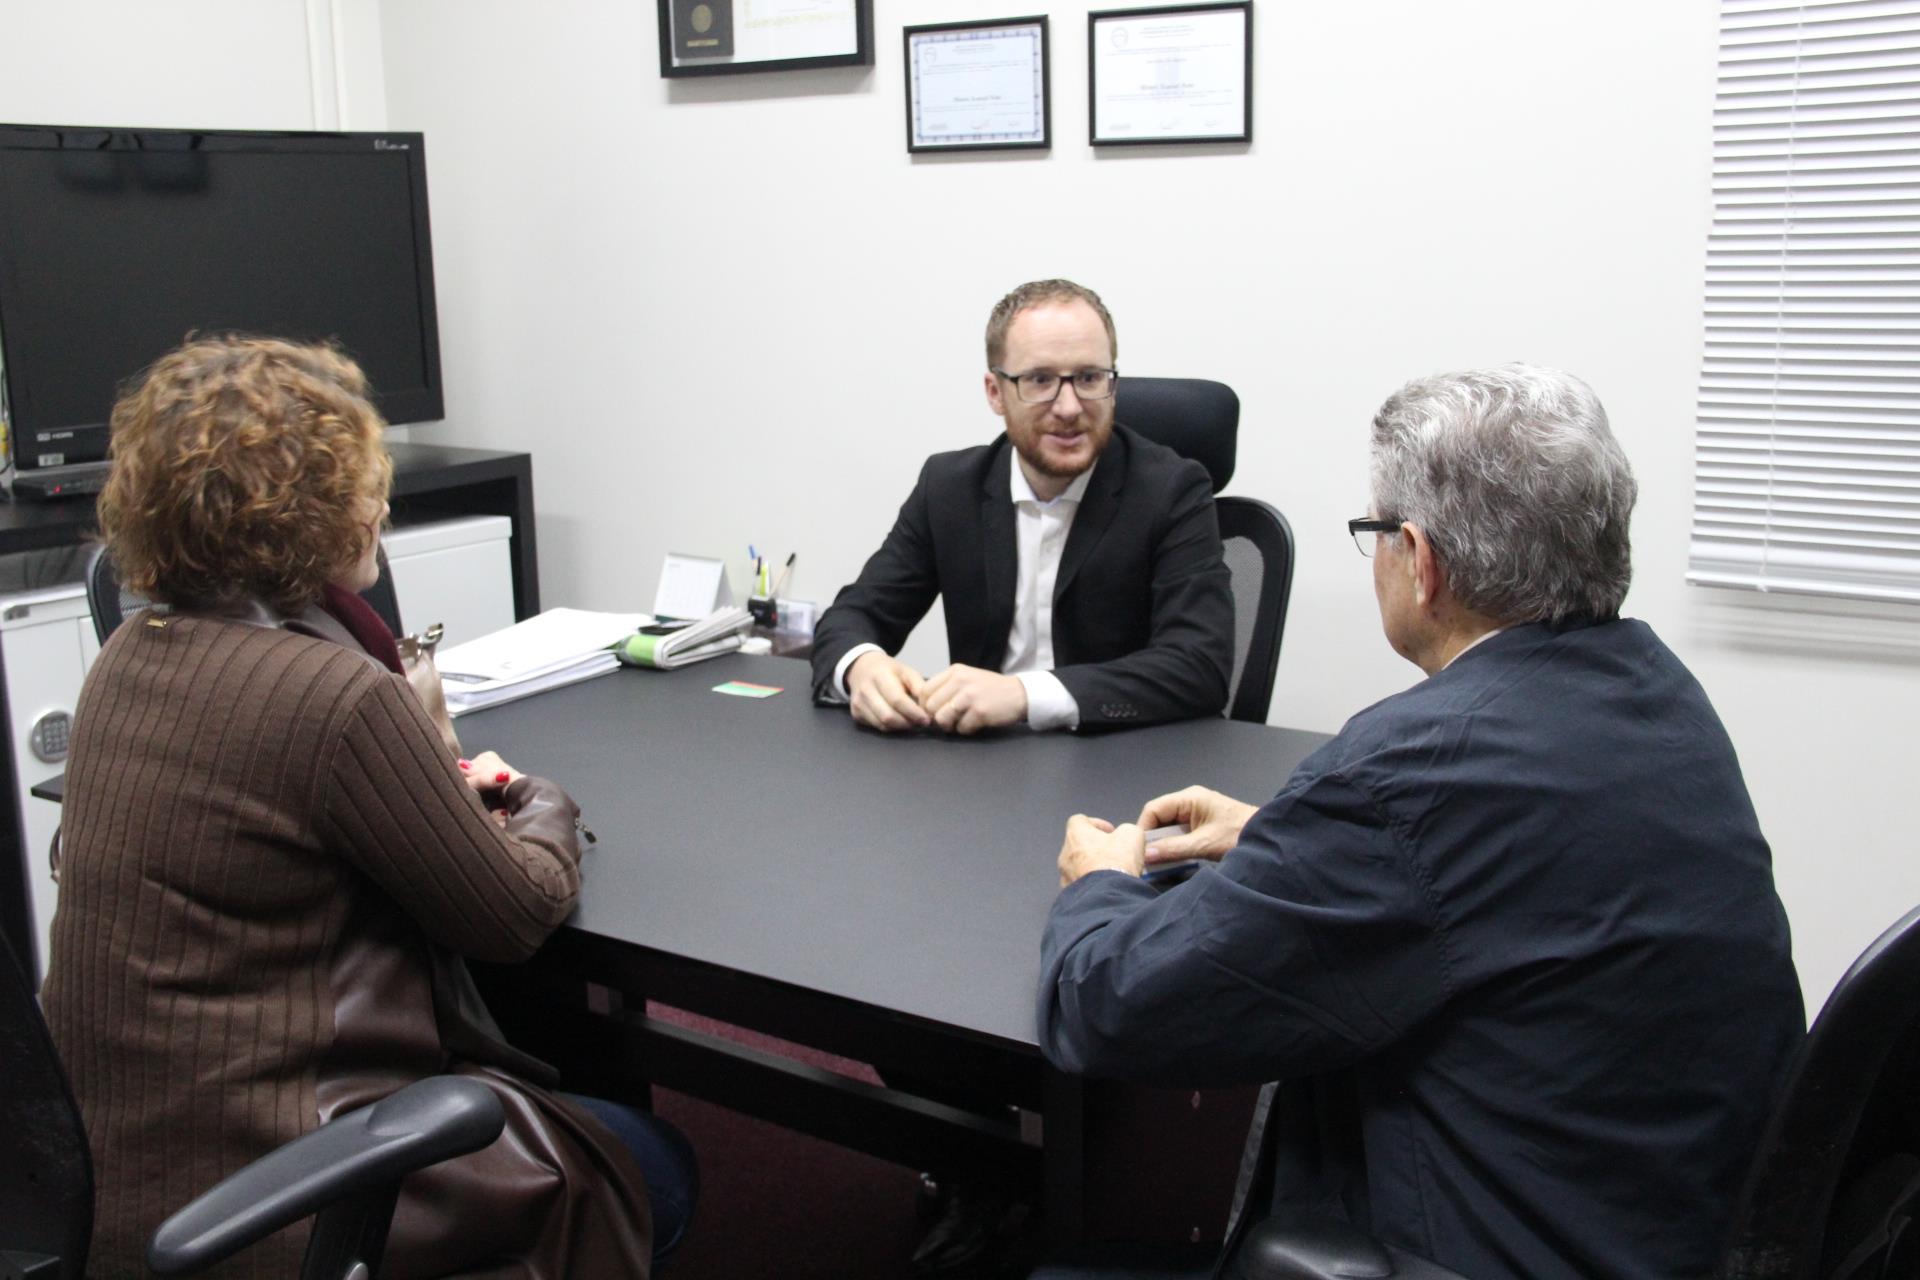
538	810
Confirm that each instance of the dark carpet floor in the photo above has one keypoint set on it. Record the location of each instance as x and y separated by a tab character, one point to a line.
778	1205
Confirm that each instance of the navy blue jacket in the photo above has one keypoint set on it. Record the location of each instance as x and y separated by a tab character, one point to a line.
1512	935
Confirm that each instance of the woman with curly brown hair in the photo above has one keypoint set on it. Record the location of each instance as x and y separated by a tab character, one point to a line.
272	866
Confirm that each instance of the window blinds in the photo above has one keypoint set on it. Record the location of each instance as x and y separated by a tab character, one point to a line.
1807	453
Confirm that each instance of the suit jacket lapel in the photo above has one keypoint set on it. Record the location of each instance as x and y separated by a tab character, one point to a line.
999	552
1097	510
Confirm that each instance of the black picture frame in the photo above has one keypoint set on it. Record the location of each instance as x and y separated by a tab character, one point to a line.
1094	21
719	32
916	140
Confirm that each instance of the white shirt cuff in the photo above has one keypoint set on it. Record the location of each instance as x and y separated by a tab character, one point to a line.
847	659
1049	705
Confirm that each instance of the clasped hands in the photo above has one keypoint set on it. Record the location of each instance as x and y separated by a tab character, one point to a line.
1213	821
488	776
885	693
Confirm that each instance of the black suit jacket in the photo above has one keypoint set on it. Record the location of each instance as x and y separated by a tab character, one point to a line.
1513	939
1142	607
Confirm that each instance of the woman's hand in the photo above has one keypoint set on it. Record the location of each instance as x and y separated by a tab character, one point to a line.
487	773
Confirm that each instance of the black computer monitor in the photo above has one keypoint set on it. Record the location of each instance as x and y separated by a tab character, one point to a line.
116	243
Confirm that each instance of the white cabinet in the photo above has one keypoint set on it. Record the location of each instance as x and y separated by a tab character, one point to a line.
454	572
46	644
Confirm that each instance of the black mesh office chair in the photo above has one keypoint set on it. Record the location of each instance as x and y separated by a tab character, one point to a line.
46	1178
106	601
1199	419
383	598
1832	1193
110	603
345	1175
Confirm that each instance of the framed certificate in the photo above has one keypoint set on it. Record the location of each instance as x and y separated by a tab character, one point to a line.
1170	74
978	86
724	37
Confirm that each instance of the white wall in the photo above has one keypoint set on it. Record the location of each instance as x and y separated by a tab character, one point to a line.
737	310
216	64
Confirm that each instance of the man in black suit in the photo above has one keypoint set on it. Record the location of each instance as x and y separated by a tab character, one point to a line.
1511	938
1080	562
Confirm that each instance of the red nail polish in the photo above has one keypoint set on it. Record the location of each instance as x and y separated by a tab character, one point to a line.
501	777
466	764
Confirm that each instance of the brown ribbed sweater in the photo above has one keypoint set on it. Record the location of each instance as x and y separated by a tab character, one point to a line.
264	841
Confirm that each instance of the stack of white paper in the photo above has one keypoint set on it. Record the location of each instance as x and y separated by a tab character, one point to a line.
560	647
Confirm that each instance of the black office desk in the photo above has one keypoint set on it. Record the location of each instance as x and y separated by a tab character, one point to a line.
772	865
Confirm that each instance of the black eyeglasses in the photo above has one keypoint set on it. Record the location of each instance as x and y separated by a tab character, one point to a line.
1366	525
1041	387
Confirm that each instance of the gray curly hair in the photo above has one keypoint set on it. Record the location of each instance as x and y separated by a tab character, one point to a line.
1516	479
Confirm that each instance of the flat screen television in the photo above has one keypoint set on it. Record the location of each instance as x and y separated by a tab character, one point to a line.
116	243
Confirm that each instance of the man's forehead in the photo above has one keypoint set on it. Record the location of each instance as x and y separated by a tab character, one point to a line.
1058	322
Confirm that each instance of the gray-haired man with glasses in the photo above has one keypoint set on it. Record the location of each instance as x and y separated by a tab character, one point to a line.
1510	940
1080	563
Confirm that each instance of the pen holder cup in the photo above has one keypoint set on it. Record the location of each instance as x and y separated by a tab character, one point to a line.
765	611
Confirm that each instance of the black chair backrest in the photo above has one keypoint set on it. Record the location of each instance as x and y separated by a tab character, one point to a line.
1257	542
110	604
105	600
1838	1166
1199	419
46	1172
1193	417
383	598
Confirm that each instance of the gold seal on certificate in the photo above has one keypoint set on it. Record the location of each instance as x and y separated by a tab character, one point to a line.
726	37
703	28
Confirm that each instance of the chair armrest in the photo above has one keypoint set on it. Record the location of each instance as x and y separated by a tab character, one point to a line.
428	1121
1304	1248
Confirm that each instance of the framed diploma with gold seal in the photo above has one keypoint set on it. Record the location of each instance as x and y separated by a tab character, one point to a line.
725	37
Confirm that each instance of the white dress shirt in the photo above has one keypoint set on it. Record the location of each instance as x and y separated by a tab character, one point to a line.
1040	535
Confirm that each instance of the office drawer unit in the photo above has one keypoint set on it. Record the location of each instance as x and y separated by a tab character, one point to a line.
46	645
455	572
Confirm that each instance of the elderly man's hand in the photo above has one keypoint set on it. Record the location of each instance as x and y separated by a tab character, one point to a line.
883	693
1094	844
965	699
1214	823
